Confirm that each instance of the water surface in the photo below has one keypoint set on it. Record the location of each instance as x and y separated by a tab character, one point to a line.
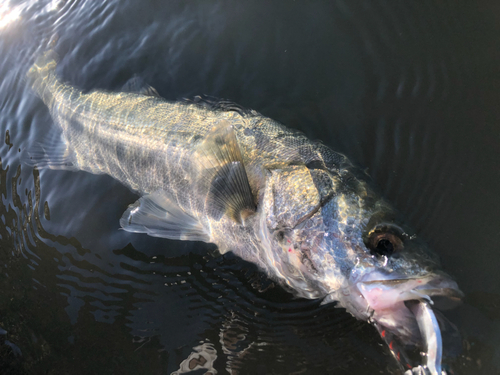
408	90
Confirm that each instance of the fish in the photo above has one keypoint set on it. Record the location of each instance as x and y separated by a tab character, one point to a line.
210	170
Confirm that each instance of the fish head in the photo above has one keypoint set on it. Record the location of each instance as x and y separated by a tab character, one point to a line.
332	236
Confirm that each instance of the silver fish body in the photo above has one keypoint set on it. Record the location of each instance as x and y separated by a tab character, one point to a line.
233	177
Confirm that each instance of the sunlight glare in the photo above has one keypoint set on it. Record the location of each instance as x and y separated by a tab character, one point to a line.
8	15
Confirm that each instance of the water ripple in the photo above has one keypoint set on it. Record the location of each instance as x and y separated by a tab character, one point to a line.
387	82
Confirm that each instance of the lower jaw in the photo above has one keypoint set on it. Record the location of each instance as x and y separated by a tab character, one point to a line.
385	304
399	321
399	330
413	335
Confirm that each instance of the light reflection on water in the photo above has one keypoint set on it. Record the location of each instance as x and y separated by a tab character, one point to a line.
8	15
399	87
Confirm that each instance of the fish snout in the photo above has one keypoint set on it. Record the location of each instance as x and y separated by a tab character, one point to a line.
381	291
442	291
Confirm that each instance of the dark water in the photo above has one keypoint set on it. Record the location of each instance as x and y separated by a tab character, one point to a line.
408	89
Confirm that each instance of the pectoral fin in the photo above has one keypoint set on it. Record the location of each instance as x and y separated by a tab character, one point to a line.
222	170
159	216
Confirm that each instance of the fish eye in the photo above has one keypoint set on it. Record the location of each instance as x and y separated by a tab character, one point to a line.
384	240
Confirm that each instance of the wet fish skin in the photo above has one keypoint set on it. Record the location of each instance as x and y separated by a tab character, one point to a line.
233	177
147	143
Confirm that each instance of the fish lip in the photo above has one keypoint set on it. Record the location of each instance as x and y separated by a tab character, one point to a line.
444	293
438	289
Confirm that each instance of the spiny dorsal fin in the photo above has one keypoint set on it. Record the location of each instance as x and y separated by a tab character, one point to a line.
224	174
137	85
216	104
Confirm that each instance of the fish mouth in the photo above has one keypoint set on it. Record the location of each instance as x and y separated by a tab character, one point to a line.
405	311
384	291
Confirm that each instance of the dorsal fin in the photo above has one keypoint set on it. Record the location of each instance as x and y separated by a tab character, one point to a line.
216	104
224	174
137	85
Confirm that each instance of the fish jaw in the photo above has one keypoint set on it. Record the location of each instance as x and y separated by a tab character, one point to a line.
384	300
376	291
383	291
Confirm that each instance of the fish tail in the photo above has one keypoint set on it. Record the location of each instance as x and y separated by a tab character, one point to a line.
42	74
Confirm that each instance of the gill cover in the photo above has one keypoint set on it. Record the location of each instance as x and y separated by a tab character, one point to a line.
291	197
292	226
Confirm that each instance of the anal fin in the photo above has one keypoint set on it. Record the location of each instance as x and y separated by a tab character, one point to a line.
159	216
223	172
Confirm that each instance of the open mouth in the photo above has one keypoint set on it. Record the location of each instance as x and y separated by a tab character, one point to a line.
405	312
